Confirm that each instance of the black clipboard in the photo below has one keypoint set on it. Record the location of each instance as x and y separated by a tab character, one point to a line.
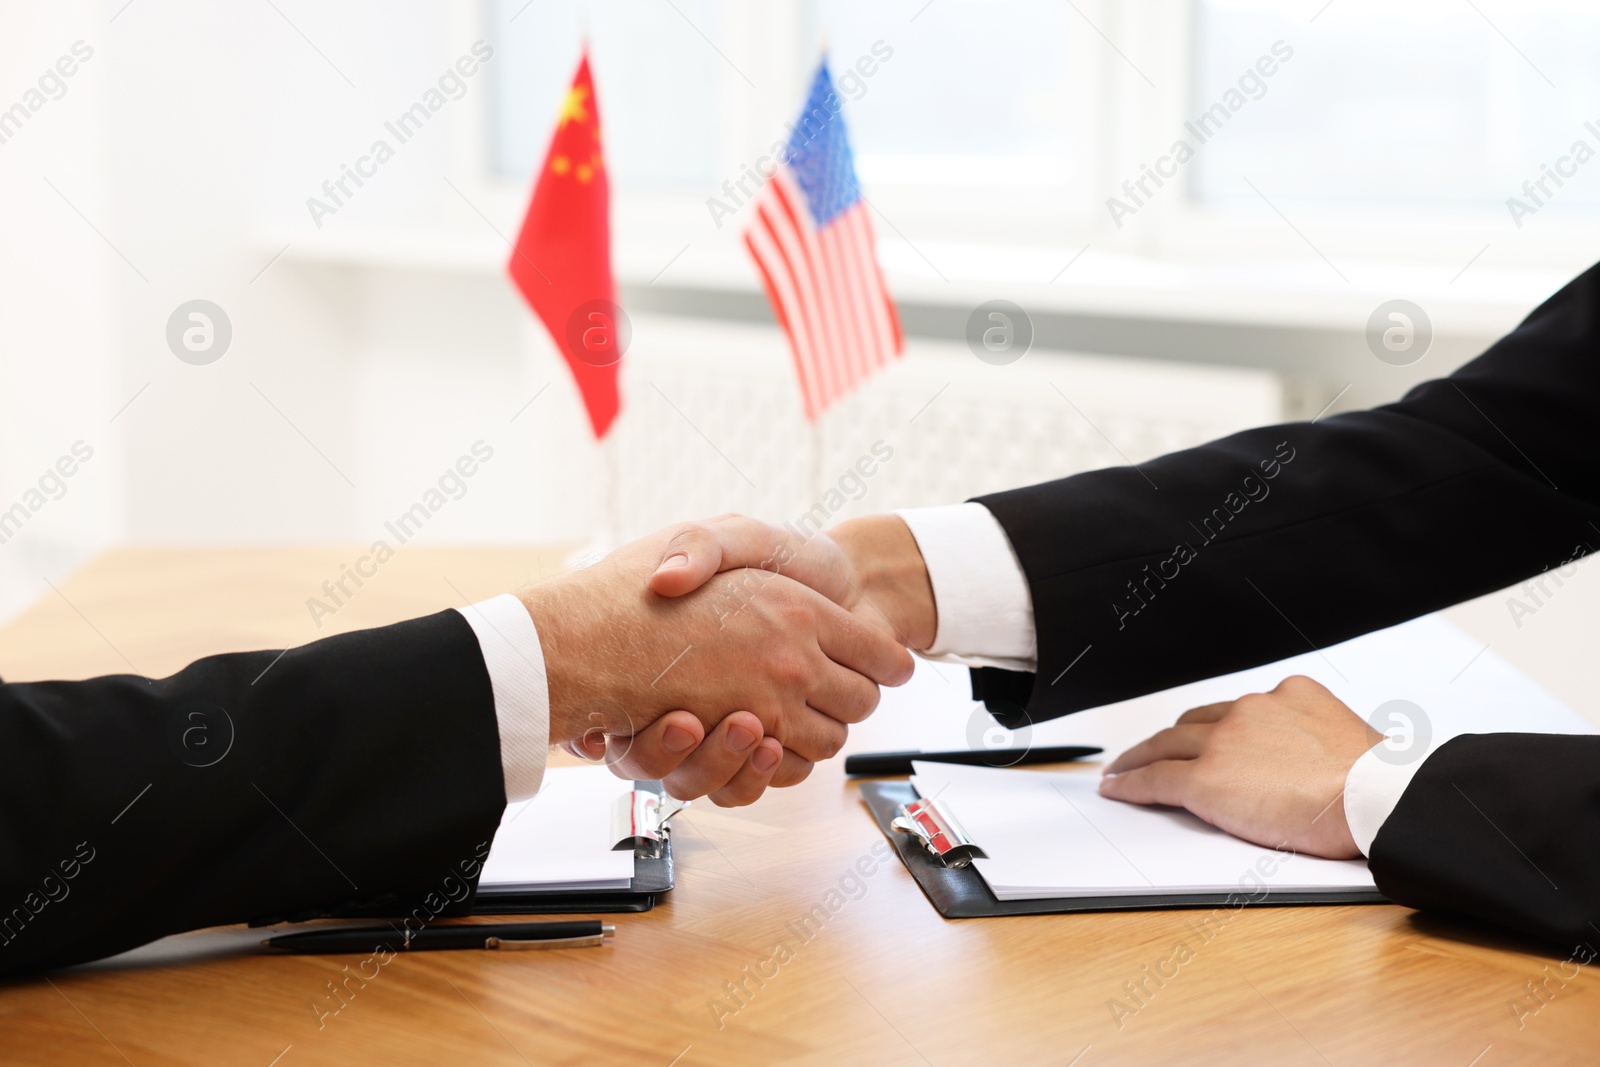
652	877
961	893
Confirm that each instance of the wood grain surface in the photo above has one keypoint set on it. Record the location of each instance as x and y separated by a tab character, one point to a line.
727	970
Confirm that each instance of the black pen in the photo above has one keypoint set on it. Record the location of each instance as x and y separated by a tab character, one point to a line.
577	934
900	762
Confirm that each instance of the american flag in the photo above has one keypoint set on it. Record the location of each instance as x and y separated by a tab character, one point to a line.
811	238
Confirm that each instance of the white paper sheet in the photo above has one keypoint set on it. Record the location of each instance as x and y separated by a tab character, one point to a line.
1053	835
1050	834
558	839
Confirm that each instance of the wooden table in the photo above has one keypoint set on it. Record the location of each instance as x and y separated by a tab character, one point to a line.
884	981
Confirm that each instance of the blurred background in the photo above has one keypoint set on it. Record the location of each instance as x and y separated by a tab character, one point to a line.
373	346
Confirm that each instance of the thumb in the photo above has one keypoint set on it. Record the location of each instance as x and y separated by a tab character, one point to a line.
692	556
698	550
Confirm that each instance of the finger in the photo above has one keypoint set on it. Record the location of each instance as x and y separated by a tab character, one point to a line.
817	561
591	746
793	770
1207	713
1167	782
806	732
1173	743
658	749
842	694
719	760
865	649
752	776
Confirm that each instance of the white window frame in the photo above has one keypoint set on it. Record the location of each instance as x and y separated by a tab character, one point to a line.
1130	124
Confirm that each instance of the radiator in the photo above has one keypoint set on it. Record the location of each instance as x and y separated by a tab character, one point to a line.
712	423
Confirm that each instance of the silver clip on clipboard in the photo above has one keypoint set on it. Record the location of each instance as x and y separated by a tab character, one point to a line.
939	832
639	822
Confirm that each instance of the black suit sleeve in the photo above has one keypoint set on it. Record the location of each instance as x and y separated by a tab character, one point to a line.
1501	827
1275	541
358	772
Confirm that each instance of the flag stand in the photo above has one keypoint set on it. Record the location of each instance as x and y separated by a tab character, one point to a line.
813	248
611	531
569	222
815	479
609	537
613	490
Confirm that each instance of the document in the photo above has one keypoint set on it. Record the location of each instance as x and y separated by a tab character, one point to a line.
1051	834
558	840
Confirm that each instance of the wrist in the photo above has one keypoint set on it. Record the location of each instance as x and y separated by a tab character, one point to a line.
1341	842
578	684
890	575
1331	832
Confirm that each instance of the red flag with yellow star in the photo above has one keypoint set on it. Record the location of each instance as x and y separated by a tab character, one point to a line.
562	259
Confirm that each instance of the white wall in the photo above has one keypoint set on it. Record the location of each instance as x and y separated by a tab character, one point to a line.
59	305
369	353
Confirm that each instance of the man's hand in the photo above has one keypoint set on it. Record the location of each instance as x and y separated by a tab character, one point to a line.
734	764
1268	767
869	566
618	657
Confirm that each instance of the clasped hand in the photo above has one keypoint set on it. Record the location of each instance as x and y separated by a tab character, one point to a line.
722	656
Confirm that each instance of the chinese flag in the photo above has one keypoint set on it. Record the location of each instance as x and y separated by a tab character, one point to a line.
562	259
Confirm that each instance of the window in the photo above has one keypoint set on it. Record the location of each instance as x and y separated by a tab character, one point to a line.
658	95
976	93
1386	130
1397	107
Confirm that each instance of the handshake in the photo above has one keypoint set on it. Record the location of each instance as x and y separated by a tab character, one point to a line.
728	655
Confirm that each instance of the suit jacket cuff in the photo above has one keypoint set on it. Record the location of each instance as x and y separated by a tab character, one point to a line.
510	645
1373	788
980	592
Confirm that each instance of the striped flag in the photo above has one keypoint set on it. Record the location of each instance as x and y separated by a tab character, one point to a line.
811	238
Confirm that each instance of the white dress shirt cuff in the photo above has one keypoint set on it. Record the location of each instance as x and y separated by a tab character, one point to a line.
980	592
510	645
1373	788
